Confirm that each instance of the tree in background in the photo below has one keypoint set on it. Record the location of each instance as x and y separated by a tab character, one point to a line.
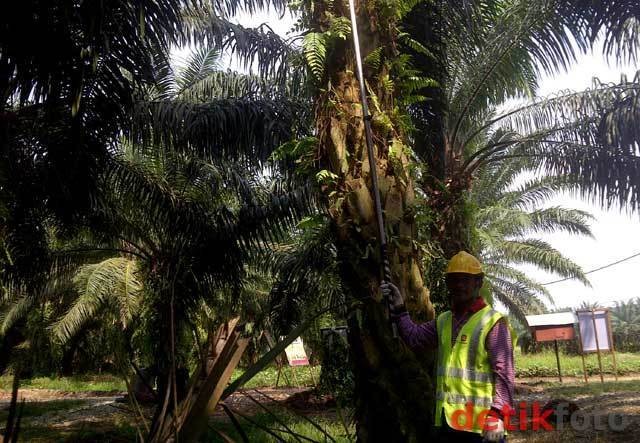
67	80
178	208
625	321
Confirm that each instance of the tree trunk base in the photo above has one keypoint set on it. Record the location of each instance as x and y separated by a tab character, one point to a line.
394	393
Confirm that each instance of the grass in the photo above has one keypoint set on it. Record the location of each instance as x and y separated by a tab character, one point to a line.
593	388
89	433
289	377
79	383
527	365
543	364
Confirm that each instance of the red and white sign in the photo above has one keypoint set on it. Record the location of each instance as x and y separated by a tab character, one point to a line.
295	353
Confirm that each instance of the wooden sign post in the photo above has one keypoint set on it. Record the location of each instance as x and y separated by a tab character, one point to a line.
553	327
555	345
595	328
613	348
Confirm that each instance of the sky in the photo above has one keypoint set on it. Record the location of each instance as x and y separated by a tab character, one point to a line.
616	233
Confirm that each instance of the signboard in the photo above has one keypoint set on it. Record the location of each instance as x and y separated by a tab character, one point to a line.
554	319
551	327
551	333
296	354
594	325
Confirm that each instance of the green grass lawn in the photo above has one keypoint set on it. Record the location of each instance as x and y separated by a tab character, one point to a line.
543	364
289	377
593	388
79	383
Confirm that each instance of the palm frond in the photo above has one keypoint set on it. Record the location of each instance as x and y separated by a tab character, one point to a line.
586	137
230	8
526	36
536	191
558	219
259	46
307	274
229	85
503	272
224	128
115	282
542	255
519	302
16	311
201	63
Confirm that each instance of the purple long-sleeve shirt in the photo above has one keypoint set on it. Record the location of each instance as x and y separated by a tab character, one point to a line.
498	343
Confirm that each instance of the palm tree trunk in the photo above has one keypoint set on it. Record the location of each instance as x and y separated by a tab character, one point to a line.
393	385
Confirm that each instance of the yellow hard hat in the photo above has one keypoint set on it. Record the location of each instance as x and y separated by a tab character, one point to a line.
464	263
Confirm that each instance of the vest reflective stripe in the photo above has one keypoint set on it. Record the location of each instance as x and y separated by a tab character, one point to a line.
462	400
464	374
474	343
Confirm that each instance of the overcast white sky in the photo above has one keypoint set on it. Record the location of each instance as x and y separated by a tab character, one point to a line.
617	235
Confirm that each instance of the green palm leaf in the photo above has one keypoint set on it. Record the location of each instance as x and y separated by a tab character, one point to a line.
112	282
223	128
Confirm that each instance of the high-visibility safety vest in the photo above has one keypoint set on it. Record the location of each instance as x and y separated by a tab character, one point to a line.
465	381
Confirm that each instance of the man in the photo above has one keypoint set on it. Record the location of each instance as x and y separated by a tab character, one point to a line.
475	372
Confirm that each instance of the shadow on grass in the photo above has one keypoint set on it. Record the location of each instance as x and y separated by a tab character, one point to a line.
86	434
37	408
298	425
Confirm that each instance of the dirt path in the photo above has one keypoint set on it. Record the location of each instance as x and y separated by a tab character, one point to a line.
594	408
64	410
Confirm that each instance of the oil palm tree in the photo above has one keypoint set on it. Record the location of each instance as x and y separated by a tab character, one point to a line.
109	79
505	223
583	135
467	60
65	89
625	321
626	314
442	66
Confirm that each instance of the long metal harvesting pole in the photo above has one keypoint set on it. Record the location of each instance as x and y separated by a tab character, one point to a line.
372	161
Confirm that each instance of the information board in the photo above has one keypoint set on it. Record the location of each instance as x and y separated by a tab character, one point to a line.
296	356
589	329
